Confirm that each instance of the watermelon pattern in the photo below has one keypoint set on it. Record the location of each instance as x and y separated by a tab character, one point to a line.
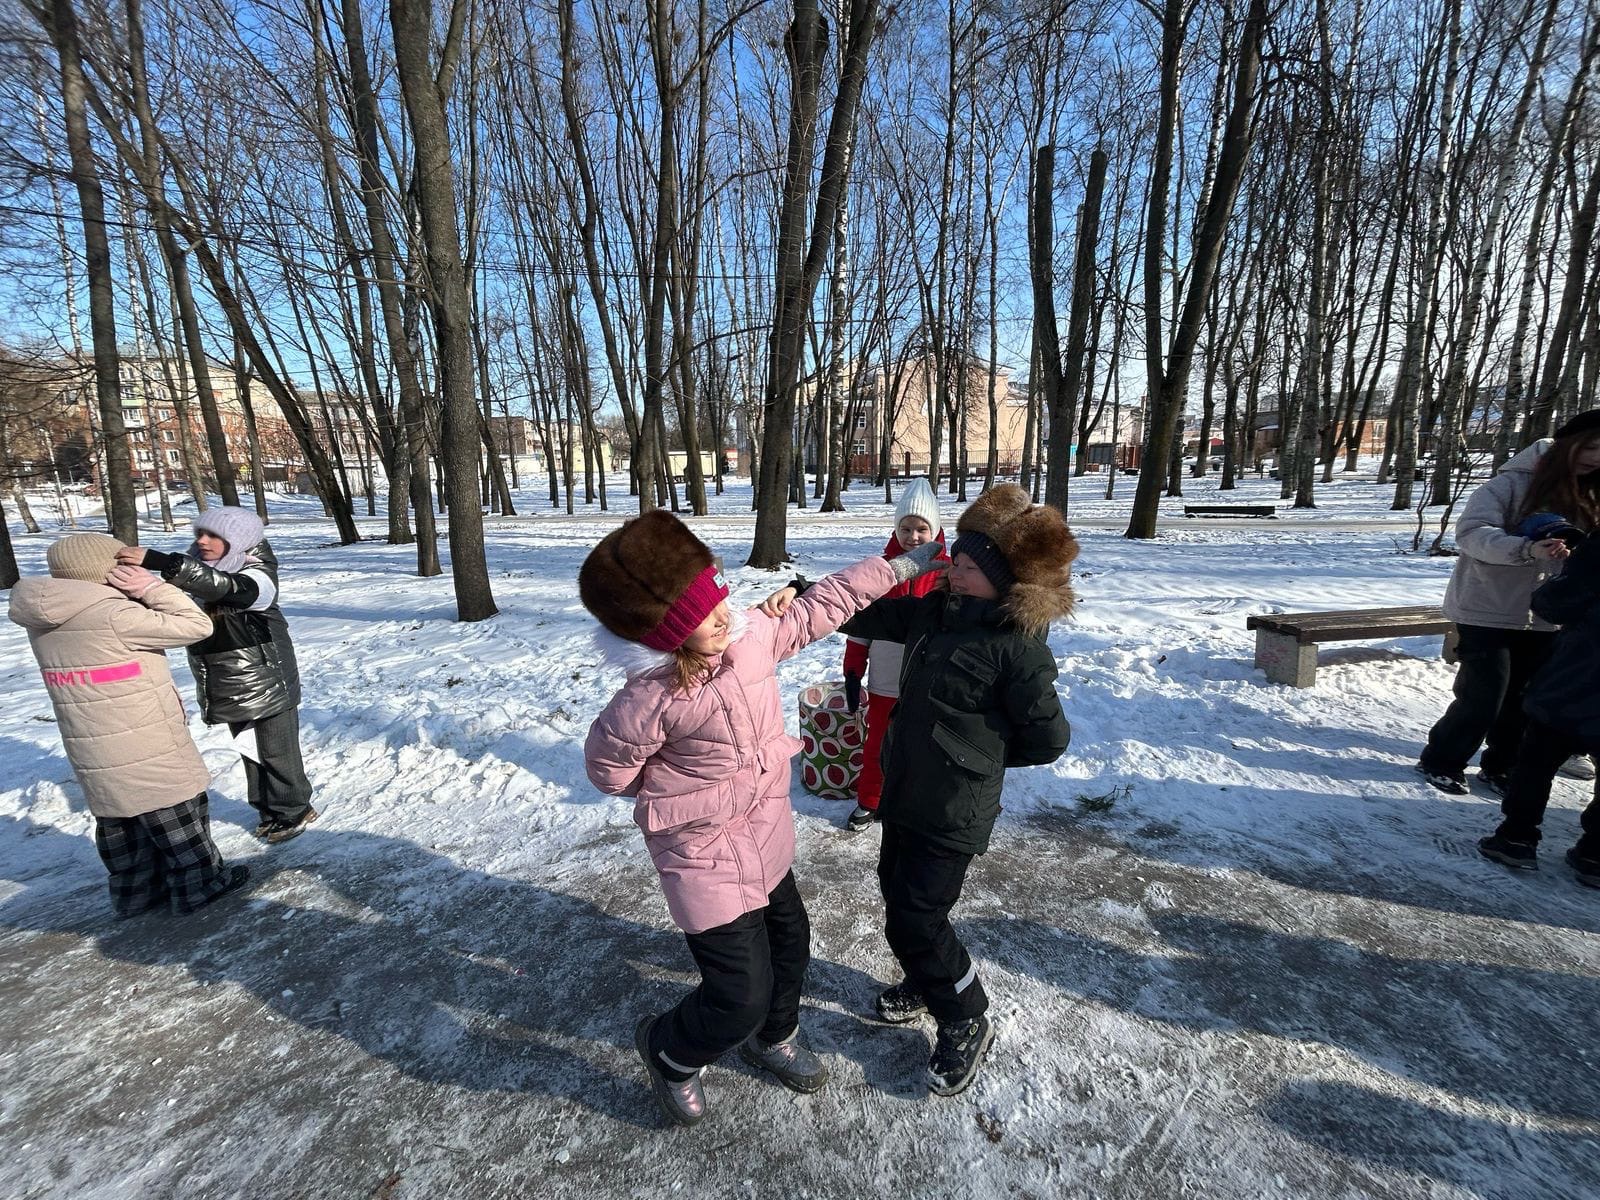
831	740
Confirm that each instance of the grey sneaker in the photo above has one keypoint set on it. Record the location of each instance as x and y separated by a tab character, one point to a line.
899	1003
1579	766
282	831
683	1101
861	819
958	1053
789	1060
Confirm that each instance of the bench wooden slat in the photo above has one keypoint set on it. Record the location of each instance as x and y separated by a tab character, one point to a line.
1286	642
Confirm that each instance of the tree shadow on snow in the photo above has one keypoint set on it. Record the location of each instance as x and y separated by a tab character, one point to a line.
450	975
1484	1157
1499	1034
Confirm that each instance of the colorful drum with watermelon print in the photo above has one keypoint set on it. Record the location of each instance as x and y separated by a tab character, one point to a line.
831	742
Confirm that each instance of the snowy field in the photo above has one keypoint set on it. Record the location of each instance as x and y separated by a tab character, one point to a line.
1236	948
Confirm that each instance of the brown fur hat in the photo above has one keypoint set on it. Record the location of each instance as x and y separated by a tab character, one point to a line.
632	577
1038	547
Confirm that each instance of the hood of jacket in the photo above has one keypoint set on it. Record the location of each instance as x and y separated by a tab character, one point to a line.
1528	457
42	602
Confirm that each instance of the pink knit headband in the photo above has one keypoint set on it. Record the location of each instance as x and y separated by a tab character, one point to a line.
707	591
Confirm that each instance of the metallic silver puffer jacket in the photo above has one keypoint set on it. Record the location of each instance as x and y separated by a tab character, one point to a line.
246	669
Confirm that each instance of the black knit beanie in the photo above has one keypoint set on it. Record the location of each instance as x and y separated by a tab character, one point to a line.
1584	422
980	548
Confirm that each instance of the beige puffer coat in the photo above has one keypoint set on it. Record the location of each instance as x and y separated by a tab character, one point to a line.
120	715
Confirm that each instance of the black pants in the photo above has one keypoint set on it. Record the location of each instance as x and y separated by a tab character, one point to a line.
1544	749
921	882
165	857
1493	671
751	971
276	786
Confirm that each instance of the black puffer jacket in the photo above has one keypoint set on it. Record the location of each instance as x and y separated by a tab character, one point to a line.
1565	694
246	669
977	695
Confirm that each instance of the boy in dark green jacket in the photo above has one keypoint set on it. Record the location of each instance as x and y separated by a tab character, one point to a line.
977	695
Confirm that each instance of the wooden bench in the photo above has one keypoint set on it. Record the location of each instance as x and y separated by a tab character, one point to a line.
1286	643
1230	510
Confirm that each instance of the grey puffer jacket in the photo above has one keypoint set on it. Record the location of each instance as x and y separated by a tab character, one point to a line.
246	669
1496	574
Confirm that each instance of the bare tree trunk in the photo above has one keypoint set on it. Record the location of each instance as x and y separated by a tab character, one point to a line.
451	304
117	486
1061	417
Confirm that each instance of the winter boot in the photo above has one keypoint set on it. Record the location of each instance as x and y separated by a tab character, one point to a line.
1452	782
238	876
958	1053
282	831
899	1003
860	819
1585	866
682	1100
789	1060
1523	856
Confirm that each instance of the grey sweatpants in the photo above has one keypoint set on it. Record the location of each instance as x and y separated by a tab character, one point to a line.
277	785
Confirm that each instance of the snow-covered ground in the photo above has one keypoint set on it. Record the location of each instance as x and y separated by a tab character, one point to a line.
1236	948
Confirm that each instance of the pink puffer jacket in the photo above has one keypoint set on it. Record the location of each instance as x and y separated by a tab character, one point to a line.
709	770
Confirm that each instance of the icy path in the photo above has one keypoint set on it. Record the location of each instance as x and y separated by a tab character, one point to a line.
1236	950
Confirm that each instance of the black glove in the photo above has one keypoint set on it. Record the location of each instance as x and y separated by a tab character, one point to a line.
852	691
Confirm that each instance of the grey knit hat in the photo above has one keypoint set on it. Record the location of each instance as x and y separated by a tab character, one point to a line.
85	556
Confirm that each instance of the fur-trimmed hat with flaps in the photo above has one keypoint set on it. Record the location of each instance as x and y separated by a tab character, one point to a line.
651	581
1038	550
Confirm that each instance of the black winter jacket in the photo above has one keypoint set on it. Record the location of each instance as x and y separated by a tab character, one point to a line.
976	696
1565	694
246	669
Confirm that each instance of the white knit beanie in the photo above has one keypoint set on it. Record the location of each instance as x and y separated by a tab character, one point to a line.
918	500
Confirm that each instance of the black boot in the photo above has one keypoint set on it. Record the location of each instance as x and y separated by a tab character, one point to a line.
958	1053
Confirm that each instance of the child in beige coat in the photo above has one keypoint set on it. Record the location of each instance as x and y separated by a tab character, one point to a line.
99	632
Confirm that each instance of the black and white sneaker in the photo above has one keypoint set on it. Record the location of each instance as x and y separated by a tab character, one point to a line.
861	819
899	1003
1522	856
958	1053
1498	782
1452	782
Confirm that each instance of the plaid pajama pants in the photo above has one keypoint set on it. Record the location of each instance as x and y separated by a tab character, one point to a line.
161	857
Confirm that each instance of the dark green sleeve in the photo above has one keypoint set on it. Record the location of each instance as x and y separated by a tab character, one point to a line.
1039	729
884	620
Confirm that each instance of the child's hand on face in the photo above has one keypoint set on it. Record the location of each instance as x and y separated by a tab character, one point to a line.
778	603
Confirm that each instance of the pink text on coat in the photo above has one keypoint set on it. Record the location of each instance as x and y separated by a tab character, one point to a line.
129	670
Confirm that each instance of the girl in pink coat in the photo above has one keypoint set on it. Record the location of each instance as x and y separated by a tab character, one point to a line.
696	738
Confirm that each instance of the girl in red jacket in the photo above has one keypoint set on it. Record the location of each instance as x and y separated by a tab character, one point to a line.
916	523
696	738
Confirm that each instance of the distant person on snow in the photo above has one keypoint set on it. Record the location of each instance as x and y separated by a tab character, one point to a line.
1503	643
977	695
696	738
245	672
99	631
1563	709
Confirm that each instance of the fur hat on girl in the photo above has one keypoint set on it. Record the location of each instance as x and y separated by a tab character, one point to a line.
918	500
239	527
651	581
1025	550
85	556
1584	422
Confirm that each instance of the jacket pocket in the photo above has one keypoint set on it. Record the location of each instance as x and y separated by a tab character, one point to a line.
701	810
964	753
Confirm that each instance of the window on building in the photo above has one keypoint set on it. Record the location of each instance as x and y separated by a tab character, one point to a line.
163	414
859	448
861	420
169	435
172	457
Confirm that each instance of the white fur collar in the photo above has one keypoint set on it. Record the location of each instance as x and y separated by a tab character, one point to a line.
635	658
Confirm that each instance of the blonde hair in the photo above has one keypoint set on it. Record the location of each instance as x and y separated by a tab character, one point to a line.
690	669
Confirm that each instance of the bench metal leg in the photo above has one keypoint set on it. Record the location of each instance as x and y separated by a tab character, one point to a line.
1285	660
